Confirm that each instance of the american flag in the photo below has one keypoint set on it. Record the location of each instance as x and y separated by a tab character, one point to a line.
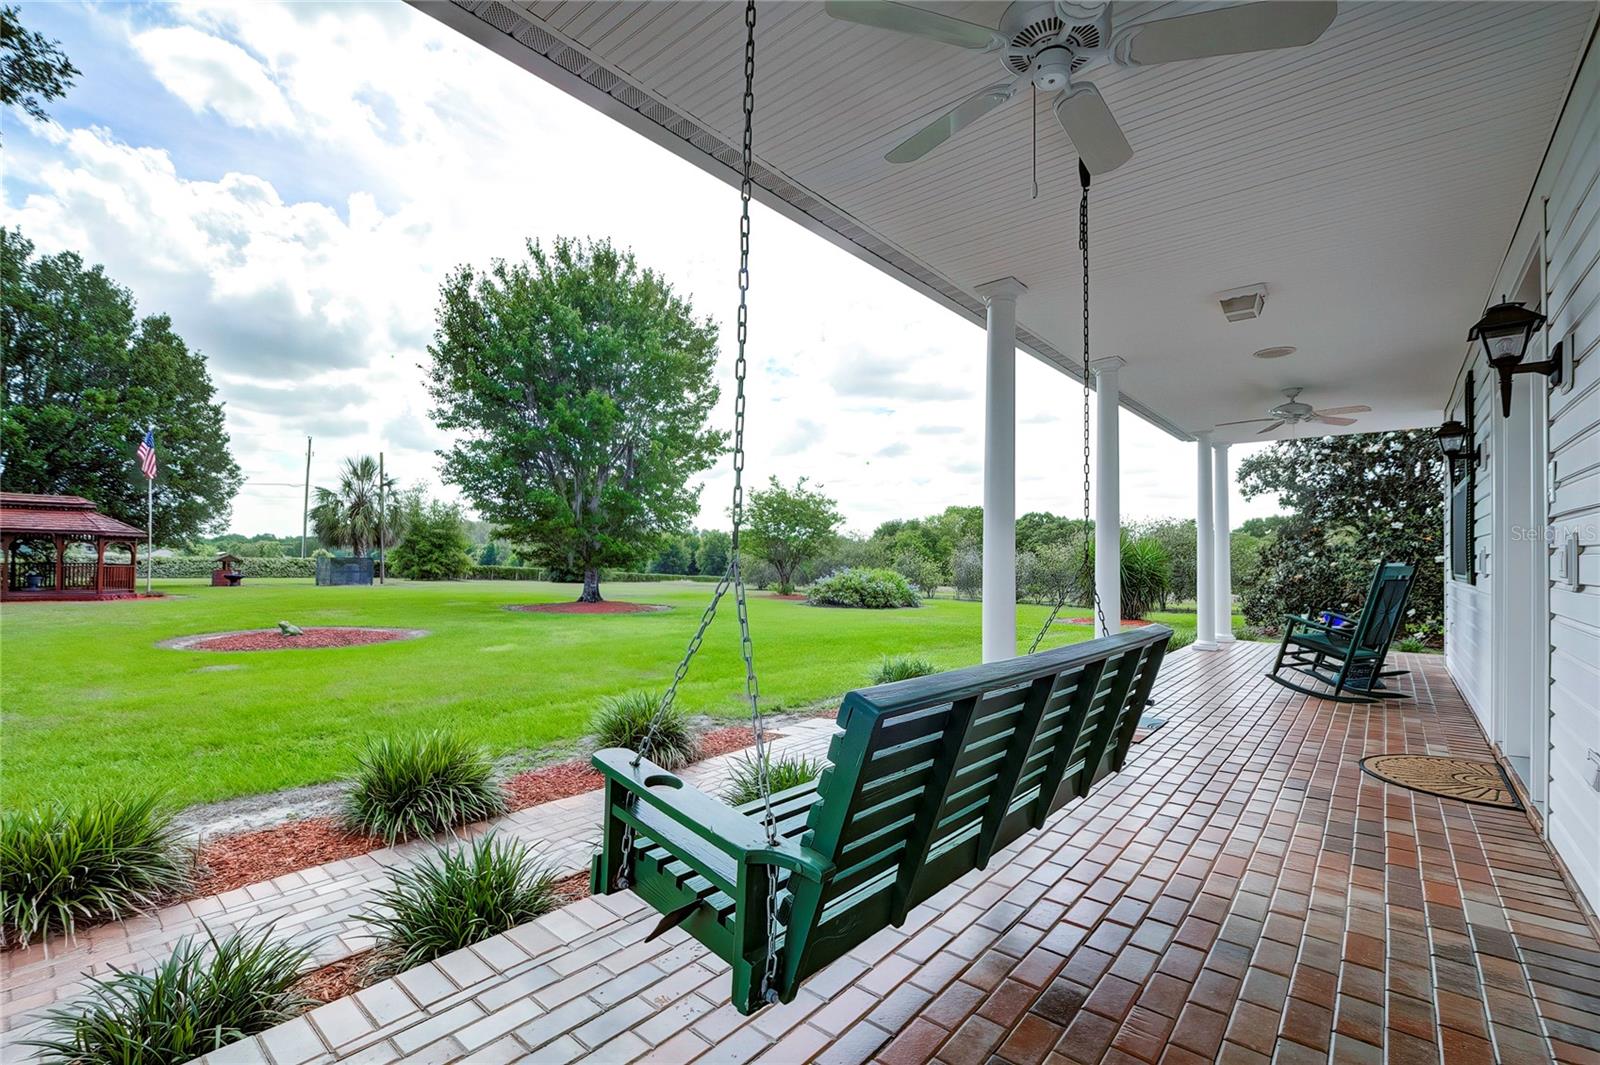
147	453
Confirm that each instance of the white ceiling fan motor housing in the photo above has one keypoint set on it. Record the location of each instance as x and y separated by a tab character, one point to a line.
1053	41
1293	410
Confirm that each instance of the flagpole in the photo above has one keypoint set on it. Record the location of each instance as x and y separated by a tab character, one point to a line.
149	531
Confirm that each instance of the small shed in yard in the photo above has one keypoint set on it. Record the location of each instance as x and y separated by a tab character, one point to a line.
61	547
337	570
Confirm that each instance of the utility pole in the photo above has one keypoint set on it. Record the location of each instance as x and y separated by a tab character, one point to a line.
382	504
305	502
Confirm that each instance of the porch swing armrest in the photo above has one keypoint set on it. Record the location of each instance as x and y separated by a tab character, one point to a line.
734	834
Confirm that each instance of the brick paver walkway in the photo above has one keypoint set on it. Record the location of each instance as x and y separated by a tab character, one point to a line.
1241	891
320	905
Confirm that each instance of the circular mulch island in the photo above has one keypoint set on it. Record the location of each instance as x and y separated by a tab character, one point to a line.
1136	622
273	640
608	606
1466	779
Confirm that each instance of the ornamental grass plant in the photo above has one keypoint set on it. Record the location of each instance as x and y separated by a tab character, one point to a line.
419	784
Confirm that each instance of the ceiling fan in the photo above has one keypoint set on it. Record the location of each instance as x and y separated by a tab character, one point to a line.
1294	412
1049	42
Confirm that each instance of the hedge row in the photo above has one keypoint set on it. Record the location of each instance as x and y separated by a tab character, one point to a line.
202	565
536	573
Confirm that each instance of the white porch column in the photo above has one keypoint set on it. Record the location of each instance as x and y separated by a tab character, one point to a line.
1205	563
1107	496
1000	472
1223	546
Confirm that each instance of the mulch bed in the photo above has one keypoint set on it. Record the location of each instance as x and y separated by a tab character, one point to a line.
792	598
609	606
723	740
576	776
336	979
550	783
574	887
273	640
229	862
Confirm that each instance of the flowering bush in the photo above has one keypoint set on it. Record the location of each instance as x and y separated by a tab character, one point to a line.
871	589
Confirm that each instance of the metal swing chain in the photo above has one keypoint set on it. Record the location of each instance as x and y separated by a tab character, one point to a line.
734	576
1061	599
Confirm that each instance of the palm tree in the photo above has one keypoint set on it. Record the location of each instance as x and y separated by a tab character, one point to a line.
349	517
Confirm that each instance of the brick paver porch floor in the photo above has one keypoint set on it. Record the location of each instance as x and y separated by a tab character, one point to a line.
1240	892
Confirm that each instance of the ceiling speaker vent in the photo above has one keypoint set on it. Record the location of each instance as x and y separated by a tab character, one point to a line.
1272	353
1243	304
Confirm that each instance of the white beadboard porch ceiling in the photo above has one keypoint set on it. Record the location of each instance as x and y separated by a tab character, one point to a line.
1371	180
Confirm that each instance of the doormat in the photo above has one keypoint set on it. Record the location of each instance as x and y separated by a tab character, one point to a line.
1466	779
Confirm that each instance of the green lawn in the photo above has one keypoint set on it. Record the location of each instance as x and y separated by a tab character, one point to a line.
89	704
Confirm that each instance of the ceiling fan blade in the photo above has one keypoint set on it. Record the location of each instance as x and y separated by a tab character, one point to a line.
903	18
1269	428
1247	421
1225	31
1359	408
1083	113
951	122
1320	417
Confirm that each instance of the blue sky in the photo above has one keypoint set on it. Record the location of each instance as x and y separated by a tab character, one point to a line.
291	182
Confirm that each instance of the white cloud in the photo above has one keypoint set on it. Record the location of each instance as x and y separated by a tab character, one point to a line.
210	74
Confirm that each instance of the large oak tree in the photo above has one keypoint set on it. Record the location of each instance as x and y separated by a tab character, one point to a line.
581	384
1353	501
84	376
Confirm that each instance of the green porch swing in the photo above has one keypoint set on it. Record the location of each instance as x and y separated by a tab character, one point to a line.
927	778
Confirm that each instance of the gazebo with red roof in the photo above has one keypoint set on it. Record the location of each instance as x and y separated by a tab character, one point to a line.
46	543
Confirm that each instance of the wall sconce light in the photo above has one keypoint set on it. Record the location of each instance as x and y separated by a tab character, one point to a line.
1505	331
1453	441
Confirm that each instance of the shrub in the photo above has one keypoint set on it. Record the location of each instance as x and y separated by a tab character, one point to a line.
624	721
872	589
1049	573
1410	645
744	783
1145	577
922	572
456	898
1180	638
966	567
203	997
435	544
65	865
420	784
902	667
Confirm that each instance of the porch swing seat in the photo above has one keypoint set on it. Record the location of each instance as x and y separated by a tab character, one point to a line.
927	780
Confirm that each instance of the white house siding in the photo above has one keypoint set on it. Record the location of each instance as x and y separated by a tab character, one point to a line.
1565	201
1573	268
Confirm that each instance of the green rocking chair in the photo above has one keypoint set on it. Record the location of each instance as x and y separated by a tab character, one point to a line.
1347	654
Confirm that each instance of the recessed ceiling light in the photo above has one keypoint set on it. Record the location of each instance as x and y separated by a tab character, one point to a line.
1272	353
